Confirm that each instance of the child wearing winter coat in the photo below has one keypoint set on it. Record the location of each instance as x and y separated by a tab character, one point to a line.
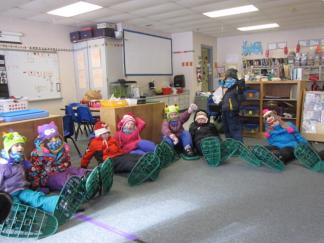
282	136
201	128
104	146
128	136
230	105
12	175
173	131
51	160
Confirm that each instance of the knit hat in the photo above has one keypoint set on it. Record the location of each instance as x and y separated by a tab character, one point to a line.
171	109
100	128
126	118
10	139
201	115
266	112
47	131
231	73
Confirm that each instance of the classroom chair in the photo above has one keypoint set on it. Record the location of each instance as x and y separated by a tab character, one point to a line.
86	119
68	127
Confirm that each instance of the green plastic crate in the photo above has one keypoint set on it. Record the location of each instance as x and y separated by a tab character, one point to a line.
185	157
71	198
247	155
211	150
143	169
307	156
28	222
268	158
319	166
228	148
106	176
92	183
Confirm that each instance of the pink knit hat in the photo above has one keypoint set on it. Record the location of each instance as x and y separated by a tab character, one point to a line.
126	118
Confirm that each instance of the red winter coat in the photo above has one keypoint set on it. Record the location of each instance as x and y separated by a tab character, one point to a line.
110	149
128	142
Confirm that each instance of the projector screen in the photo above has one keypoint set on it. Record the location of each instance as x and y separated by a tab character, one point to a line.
146	54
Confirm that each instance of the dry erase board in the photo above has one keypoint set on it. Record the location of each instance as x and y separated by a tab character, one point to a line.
146	54
33	74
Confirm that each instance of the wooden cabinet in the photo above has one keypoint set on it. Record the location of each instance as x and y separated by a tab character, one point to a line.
28	128
97	63
152	114
283	96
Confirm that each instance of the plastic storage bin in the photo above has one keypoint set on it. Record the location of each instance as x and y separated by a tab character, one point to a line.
250	127
252	94
249	110
113	103
9	105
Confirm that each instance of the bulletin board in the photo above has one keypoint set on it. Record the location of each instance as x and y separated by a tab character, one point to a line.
32	74
313	116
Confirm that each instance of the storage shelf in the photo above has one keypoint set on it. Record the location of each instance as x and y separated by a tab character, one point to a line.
280	99
255	116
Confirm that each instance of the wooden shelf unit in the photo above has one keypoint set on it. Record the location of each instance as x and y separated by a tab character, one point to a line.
285	88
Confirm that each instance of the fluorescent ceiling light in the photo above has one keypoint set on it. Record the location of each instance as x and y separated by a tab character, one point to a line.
259	27
74	9
231	11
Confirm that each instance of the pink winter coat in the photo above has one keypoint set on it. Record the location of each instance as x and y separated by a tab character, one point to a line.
128	142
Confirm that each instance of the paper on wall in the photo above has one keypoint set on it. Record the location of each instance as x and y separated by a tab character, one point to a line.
80	60
95	57
82	80
97	77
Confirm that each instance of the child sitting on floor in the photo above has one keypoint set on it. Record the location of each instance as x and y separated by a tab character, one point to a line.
12	175
201	128
173	131
128	136
104	146
51	161
282	136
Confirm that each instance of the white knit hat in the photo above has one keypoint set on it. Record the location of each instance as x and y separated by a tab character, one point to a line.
100	128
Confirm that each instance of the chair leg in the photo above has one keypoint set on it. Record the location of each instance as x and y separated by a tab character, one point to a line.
76	147
77	132
85	129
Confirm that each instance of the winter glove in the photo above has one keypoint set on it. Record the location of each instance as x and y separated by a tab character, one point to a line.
192	108
174	138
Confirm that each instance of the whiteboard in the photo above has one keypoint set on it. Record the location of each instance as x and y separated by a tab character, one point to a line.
146	54
33	74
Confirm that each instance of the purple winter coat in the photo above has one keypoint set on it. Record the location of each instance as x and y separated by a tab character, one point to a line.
12	177
167	129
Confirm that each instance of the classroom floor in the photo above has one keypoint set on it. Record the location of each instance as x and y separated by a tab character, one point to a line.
191	202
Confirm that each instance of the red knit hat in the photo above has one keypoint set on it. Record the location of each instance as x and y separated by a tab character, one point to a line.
100	128
126	118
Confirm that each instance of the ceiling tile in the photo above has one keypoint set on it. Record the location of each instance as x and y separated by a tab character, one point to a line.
18	13
171	14
12	3
157	9
130	6
116	18
97	14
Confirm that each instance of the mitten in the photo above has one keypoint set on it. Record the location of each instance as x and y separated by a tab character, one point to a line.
290	130
192	108
266	135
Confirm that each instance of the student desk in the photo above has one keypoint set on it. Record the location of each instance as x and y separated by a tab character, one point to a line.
28	128
151	113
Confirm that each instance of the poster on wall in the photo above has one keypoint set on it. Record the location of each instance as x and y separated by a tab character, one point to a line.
313	114
198	73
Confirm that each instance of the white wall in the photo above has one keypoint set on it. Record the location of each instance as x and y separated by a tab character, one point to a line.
191	42
229	48
48	35
183	43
